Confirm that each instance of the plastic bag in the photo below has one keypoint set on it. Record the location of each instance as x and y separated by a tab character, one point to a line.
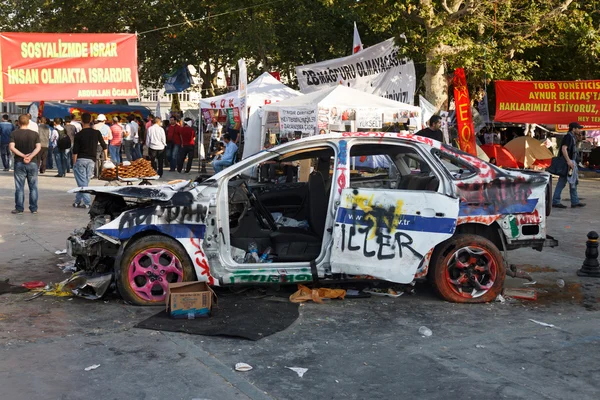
108	165
305	294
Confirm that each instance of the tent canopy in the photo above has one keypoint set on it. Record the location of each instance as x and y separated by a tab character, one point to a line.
263	90
527	150
340	96
503	157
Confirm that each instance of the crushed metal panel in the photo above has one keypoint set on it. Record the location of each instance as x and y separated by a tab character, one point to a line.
387	234
161	193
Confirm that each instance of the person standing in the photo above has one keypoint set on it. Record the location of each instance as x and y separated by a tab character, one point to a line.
215	134
62	149
156	142
141	135
187	146
176	145
128	141
568	151
75	122
434	130
32	125
25	144
171	130
149	122
52	147
84	158
6	129
71	128
228	154
101	126
44	132
117	138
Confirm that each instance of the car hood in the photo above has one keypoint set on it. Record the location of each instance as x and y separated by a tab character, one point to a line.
159	192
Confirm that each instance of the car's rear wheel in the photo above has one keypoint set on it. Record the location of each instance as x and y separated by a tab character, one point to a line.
467	269
148	266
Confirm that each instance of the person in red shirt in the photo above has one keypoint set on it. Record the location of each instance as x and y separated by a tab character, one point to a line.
173	142
114	148
187	136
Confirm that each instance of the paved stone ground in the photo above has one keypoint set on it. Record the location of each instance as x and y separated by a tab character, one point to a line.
353	349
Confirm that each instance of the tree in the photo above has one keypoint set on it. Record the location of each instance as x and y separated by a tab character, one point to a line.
445	34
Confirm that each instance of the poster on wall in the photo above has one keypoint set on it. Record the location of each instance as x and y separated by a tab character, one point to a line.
74	66
375	70
548	102
369	118
297	120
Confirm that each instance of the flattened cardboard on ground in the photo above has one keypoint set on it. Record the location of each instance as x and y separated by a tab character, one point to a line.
523	294
189	299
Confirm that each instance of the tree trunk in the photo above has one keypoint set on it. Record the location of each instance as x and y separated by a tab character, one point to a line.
436	85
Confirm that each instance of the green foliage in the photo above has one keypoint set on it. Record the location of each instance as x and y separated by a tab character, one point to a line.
493	39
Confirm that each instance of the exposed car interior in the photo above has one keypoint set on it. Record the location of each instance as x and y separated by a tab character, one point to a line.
283	206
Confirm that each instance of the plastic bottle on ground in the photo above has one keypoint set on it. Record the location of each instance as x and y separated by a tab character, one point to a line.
425	331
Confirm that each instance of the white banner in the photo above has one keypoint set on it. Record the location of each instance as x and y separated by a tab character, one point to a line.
297	120
427	110
242	89
369	118
375	70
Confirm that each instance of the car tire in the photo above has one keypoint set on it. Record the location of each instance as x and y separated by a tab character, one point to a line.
148	265
467	269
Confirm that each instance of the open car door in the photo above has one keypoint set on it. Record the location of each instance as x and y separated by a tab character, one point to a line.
387	233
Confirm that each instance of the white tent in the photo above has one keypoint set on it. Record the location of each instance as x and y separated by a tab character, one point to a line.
336	109
263	90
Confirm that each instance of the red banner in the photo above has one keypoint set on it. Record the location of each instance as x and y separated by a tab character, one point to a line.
61	66
464	116
548	102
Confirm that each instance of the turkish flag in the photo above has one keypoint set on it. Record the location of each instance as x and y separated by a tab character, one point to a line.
356	43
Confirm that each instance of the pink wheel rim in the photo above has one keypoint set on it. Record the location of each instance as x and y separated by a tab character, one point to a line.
151	271
471	271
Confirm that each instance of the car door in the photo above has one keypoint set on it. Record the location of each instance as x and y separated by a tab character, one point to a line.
387	233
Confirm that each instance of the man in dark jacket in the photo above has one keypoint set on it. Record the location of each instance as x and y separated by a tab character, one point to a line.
433	131
25	144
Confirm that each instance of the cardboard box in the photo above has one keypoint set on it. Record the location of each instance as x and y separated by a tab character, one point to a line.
189	300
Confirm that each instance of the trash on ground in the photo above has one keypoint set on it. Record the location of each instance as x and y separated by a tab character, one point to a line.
317	295
357	294
33	284
243	367
61	251
529	283
189	300
88	285
543	324
35	296
560	283
91	367
299	371
384	292
6	287
479	346
500	299
425	331
68	266
523	294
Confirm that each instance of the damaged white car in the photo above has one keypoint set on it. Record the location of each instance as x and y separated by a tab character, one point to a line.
367	205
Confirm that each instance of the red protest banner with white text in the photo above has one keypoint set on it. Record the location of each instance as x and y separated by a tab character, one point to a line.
68	66
548	102
464	117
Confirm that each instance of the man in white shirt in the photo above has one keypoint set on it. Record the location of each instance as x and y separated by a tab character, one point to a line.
32	125
156	141
130	138
215	129
75	122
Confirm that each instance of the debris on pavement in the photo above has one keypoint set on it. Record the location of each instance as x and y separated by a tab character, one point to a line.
243	367
298	370
425	331
500	299
560	283
384	292
68	266
89	286
61	252
543	324
523	294
33	284
516	273
6	287
317	295
91	367
35	296
529	283
480	346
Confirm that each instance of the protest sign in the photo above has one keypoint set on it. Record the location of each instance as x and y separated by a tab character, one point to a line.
375	70
75	66
369	118
297	120
548	102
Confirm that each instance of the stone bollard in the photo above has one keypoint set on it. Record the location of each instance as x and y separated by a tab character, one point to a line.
590	266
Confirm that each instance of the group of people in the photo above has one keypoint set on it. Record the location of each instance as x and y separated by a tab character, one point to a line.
83	145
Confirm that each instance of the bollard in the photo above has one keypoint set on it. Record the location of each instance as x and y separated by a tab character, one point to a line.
590	266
